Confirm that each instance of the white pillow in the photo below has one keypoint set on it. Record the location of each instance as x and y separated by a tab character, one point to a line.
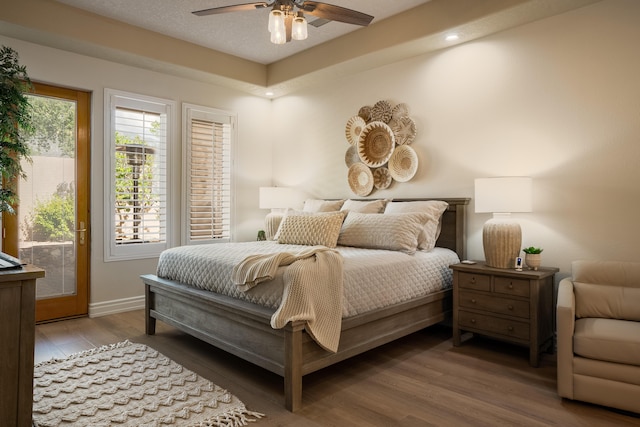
319	205
364	206
311	229
395	232
433	208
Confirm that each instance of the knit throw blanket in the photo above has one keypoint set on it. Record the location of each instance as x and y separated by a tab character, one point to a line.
312	289
128	384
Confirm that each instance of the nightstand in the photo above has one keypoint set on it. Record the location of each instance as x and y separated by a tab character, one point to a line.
510	305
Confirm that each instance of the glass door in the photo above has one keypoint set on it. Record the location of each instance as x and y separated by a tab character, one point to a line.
52	230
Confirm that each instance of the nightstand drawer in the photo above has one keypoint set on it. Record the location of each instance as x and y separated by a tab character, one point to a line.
479	282
494	304
481	322
509	286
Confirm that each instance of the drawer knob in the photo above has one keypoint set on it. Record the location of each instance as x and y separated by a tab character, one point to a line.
510	307
473	280
510	328
510	285
473	320
473	301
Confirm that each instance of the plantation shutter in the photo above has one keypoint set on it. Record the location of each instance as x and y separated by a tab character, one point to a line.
138	131
209	195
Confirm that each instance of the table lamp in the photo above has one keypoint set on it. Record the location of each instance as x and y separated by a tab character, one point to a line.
502	236
278	199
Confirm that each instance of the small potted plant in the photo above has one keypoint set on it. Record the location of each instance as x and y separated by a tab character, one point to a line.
532	257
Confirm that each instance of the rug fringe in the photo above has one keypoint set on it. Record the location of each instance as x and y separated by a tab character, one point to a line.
237	418
85	353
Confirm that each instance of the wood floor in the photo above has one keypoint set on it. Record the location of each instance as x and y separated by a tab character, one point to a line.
421	380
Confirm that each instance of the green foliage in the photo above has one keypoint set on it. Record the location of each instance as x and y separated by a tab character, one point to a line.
54	220
54	127
532	250
130	179
15	123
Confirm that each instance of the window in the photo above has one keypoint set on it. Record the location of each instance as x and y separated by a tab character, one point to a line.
137	140
207	152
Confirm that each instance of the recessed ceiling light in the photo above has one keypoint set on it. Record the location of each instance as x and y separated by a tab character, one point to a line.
451	37
269	93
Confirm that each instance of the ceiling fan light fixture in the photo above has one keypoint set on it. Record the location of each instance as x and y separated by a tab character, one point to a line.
279	32
273	15
299	28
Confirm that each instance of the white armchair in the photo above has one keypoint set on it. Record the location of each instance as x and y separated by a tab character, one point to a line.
598	320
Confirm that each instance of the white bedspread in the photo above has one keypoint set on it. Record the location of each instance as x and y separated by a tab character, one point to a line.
372	278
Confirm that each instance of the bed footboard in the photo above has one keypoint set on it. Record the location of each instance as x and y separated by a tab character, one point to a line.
230	324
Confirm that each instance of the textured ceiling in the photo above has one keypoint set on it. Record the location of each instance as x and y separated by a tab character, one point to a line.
242	34
164	36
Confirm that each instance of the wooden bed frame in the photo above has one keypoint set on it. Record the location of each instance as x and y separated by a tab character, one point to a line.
230	324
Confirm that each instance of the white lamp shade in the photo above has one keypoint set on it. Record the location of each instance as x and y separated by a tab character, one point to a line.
503	194
278	29
276	198
273	16
299	29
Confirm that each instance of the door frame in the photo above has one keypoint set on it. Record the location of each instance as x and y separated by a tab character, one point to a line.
78	304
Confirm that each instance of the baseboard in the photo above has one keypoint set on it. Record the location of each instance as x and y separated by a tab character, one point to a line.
116	306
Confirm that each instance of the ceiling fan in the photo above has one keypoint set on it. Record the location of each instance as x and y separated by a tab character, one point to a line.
286	19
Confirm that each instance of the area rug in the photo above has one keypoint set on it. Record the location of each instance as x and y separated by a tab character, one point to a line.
129	384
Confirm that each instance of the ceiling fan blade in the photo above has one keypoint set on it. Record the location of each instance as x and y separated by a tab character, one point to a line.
319	22
336	13
232	8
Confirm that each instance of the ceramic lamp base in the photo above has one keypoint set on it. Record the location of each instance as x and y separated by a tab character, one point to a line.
271	223
502	240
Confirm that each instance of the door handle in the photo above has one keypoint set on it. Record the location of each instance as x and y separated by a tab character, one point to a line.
82	230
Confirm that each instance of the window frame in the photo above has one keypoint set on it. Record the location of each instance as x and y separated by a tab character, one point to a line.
193	111
112	100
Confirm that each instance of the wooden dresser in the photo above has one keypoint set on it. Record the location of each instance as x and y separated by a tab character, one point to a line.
514	306
17	337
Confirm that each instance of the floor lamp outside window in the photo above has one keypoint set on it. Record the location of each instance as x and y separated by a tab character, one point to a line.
501	235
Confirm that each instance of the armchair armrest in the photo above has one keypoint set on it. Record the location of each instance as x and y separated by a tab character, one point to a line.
566	319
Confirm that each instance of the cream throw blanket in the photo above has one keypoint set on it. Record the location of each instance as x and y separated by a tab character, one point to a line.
312	289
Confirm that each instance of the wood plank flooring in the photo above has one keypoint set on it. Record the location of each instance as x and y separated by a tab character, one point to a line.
420	380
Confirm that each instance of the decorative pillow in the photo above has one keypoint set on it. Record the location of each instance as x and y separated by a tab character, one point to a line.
395	232
318	205
311	229
364	206
287	212
433	208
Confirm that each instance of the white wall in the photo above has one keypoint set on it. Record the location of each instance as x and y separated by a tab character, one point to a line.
557	100
115	281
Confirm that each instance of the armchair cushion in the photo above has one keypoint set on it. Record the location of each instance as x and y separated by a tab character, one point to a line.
612	273
613	302
610	340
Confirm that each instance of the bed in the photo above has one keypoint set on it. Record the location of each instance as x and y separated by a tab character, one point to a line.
243	327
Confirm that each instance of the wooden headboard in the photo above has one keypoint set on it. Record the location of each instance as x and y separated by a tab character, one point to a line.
454	227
